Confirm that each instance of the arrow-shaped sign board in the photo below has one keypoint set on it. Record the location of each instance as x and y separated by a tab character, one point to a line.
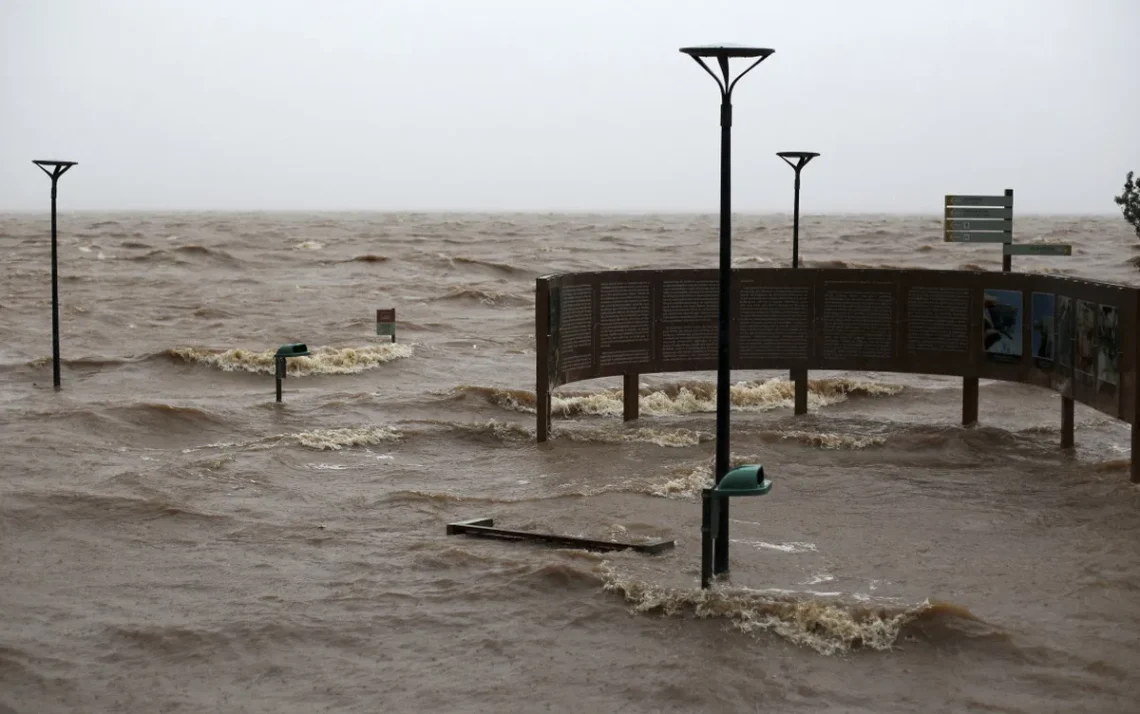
1037	249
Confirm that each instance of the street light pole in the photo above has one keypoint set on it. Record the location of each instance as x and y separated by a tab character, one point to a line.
802	159
722	54
58	168
798	376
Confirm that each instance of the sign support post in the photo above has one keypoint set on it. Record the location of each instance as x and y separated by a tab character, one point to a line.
386	322
978	219
989	219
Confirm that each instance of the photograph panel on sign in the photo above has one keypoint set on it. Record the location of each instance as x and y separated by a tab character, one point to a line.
1087	338
1044	329
1002	324
1108	349
1066	330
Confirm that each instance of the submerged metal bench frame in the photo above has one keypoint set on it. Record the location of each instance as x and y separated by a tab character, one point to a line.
484	527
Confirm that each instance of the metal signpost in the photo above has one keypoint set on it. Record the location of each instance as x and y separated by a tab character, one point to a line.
58	168
989	219
722	54
284	352
980	219
1037	249
798	376
386	322
742	481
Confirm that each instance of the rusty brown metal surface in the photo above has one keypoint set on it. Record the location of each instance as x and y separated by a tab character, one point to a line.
605	324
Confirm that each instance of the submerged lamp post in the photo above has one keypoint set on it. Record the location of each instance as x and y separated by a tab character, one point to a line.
741	481
284	352
54	169
722	54
798	376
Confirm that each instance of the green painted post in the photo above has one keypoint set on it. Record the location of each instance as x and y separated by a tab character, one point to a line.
742	481
284	352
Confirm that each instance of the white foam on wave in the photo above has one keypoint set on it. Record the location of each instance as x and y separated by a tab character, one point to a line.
337	439
700	397
322	360
793	547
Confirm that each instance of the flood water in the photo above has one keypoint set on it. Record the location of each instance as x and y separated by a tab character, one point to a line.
172	540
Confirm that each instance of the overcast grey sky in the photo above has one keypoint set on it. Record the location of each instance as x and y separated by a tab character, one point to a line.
540	105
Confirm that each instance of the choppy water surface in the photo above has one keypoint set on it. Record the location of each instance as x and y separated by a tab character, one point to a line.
172	540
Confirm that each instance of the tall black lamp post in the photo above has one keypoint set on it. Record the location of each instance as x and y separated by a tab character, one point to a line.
799	376
802	158
54	169
722	54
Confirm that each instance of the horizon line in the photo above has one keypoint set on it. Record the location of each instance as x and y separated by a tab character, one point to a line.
537	211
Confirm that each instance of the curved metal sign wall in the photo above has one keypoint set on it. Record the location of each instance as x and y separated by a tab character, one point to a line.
1076	337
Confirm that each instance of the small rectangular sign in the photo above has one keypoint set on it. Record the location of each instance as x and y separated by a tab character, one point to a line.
1002	201
975	224
979	212
978	237
1038	249
386	322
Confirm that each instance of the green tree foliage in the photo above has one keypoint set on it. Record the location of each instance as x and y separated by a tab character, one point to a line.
1129	202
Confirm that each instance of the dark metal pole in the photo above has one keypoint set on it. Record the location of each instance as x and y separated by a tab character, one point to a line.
722	53
798	377
802	158
708	528
796	223
54	290
724	363
279	364
1007	260
58	168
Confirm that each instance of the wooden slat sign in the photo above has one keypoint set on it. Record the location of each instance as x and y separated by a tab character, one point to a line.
386	322
1000	201
978	237
975	224
979	213
989	219
1038	249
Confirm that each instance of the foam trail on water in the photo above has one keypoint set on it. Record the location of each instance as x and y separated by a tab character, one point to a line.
819	621
686	397
658	437
831	441
323	360
337	439
689	480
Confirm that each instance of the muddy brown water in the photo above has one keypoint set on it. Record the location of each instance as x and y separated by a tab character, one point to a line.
171	540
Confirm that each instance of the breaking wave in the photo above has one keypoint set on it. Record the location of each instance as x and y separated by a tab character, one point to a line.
484	296
821	440
323	360
497	430
828	626
687	481
659	437
685	397
188	255
460	260
337	439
